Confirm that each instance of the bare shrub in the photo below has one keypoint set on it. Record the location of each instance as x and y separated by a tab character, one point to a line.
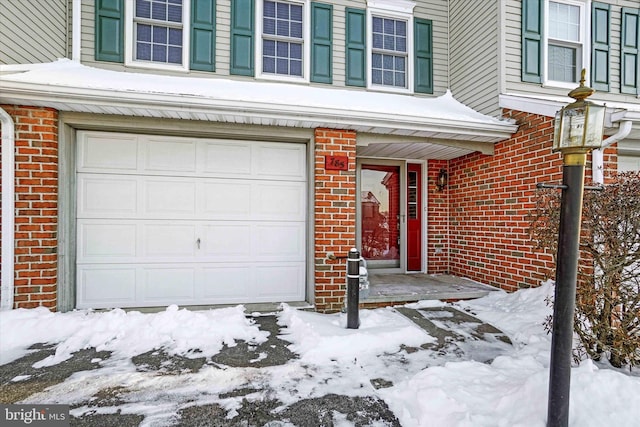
608	291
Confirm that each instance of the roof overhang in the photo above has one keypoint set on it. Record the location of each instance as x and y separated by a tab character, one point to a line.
425	123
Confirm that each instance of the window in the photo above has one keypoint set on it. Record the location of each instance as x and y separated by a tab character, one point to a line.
390	44
564	42
157	31
386	47
282	38
389	52
167	34
555	34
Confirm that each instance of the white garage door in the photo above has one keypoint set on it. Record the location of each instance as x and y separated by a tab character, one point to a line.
166	220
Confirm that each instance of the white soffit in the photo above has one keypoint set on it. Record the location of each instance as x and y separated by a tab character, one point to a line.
69	86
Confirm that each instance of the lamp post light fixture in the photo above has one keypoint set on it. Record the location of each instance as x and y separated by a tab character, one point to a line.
578	129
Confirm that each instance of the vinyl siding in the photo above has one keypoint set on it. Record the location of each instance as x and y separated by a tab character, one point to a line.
435	10
514	85
33	31
475	54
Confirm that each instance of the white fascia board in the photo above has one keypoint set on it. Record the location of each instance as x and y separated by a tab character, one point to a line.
77	99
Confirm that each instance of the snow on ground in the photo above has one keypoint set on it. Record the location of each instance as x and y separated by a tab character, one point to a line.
429	388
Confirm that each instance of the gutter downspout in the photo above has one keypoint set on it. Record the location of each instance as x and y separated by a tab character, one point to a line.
8	210
597	158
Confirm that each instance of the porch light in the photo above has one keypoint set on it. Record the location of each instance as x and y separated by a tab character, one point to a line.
579	126
578	129
443	179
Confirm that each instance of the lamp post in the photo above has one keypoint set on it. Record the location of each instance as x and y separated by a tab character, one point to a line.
578	129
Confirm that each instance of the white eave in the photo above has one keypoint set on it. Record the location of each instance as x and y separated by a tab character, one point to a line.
69	86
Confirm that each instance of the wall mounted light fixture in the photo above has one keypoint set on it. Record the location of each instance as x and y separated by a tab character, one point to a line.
443	179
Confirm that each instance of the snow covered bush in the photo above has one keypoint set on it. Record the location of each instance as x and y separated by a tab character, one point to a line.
607	317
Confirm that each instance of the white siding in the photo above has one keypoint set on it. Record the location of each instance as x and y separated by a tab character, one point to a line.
32	31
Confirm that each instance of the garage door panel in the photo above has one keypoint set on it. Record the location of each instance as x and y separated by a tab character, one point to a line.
103	287
226	199
116	153
222	241
280	161
279	201
103	196
173	241
226	284
227	158
168	284
169	155
281	281
105	241
169	198
279	242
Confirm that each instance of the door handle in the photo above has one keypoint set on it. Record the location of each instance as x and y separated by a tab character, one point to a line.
198	243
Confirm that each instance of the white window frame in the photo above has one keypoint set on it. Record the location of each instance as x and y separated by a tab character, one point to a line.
306	43
398	10
583	51
129	40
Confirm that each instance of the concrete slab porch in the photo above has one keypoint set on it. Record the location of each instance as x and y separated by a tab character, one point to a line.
419	286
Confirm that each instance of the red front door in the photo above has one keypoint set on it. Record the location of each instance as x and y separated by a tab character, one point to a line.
414	217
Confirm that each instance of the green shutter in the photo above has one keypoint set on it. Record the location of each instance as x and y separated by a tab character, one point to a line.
356	52
109	40
423	55
242	37
600	41
203	35
629	57
532	41
321	43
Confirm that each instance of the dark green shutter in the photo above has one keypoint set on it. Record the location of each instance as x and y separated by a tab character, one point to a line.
109	40
532	41
600	41
629	58
242	37
356	52
423	55
321	43
203	35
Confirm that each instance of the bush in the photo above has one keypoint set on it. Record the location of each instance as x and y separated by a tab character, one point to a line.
608	291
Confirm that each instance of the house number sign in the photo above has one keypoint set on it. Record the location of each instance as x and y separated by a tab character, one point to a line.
336	163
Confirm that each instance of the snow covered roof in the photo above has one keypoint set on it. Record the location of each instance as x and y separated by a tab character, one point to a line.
70	86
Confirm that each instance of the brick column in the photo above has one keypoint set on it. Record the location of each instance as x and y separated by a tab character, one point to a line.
335	216
437	220
36	193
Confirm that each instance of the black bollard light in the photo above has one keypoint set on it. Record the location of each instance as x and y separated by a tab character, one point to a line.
353	289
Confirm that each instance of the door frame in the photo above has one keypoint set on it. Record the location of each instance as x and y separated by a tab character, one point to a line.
403	210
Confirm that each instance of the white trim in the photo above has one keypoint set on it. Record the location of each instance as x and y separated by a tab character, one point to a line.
8	210
76	30
129	40
582	44
533	105
391	10
306	43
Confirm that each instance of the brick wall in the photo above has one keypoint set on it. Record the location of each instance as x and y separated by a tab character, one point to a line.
437	220
490	198
335	216
36	199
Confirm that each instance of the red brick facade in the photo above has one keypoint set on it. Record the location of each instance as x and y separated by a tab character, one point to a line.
335	216
477	226
36	199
